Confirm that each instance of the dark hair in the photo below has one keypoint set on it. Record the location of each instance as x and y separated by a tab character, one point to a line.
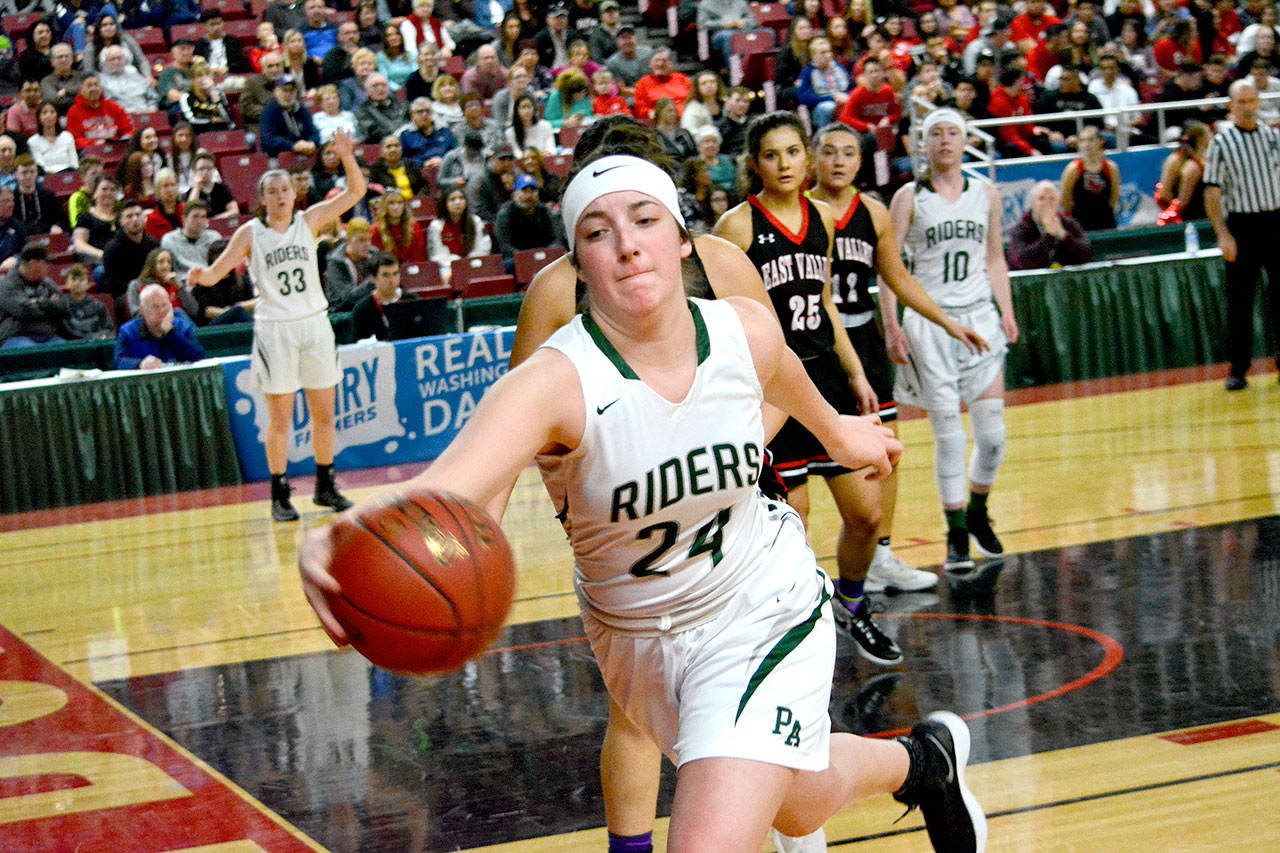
217	247
826	130
1009	75
34	252
383	259
517	126
757	129
468	223
128	203
193	205
619	134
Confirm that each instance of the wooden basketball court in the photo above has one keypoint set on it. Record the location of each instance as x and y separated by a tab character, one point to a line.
163	685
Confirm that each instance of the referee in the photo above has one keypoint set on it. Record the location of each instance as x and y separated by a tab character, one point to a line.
1242	199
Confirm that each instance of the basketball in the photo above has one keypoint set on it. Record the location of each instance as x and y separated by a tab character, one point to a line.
427	580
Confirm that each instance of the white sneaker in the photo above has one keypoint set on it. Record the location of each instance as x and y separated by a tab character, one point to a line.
814	842
890	573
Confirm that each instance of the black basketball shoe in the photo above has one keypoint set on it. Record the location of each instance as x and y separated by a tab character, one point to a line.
958	560
327	494
939	749
281	507
979	524
872	643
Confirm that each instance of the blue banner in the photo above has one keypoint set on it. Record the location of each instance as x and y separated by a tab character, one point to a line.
397	402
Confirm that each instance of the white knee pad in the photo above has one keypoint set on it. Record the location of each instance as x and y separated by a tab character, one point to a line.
948	456
987	416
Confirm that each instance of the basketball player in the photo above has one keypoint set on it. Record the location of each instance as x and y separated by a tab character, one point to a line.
680	589
293	344
789	238
865	245
950	225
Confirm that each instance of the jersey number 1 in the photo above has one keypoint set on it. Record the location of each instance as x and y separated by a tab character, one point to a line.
285	287
709	540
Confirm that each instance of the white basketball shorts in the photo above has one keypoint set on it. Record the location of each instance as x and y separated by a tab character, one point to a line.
293	354
941	371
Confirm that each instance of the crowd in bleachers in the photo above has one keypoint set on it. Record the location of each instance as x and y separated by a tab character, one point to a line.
140	127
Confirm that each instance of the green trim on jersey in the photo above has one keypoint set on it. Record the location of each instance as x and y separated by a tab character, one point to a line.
784	647
702	339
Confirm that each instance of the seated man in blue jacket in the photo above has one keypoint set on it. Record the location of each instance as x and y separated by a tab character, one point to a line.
159	335
286	126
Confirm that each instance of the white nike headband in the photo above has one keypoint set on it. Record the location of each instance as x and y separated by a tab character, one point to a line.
945	114
616	173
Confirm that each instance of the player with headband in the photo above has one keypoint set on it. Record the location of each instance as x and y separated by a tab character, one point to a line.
707	612
949	224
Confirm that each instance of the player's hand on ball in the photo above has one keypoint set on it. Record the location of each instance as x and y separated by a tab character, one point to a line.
314	558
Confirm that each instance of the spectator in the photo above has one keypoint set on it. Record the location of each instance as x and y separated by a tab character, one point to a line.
320	35
473	118
394	61
93	118
189	245
209	191
205	108
1179	47
1260	73
123	83
1187	85
529	131
605	99
229	301
87	318
464	163
602	39
534	165
285	15
706	102
32	309
349	267
722	169
259	89
1049	52
553	41
181	155
1091	184
423	143
166	216
35	62
823	86
53	148
733	124
304	68
381	114
397	232
995	37
369	21
503	105
107	34
1113	89
423	27
13	234
569	104
629	62
8	160
223	55
1264	46
158	269
694	193
37	208
421	81
331	117
20	120
524	222
487	77
364	64
1045	237
455	233
579	58
368	317
873	104
91	170
661	82
336	65
1181	183
490	190
1020	140
509	35
159	335
62	84
1070	96
394	173
175	80
126	253
96	225
721	19
1027	29
675	140
286	126
793	56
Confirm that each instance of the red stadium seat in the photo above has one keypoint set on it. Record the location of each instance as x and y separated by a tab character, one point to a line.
227	225
455	66
288	159
240	172
110	152
774	16
245	30
530	261
424	280
232	10
160	121
150	39
16	26
422	208
481	277
194	32
220	142
62	184
558	164
370	153
60	247
747	65
567	137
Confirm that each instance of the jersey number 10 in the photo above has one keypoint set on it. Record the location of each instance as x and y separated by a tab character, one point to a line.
955	266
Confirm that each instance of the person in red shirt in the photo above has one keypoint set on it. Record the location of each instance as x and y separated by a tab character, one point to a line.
607	101
1050	51
1026	29
93	118
1181	45
1020	140
874	103
661	82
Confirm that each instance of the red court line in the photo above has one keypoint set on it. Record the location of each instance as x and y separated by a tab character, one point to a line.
1221	732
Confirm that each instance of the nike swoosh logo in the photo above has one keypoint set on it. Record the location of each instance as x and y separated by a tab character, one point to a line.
610	169
600	409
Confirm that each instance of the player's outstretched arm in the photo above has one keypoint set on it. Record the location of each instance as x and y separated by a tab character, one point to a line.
320	214
893	272
529	410
854	442
232	256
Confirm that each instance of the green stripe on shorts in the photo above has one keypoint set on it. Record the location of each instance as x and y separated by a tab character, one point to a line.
785	646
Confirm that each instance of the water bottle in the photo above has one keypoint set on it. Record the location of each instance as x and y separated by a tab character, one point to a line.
1192	239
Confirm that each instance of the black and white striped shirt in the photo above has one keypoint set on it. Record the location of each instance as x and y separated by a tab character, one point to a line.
1246	165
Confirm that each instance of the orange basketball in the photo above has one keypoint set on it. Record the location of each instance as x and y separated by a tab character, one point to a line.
427	580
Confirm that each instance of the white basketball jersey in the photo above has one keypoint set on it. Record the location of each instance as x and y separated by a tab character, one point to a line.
285	271
947	244
660	500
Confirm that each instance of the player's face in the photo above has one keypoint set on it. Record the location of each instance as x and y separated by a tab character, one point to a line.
278	196
782	160
945	145
625	243
838	160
